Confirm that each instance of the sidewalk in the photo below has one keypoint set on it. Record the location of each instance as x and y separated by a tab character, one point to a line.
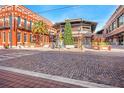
114	49
55	49
35	79
16	80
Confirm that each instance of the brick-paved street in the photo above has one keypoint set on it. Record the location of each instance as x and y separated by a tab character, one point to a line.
98	67
15	80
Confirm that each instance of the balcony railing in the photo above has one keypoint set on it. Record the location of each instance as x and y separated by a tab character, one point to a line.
23	28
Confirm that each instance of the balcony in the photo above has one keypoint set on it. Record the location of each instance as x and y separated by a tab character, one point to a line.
4	27
23	28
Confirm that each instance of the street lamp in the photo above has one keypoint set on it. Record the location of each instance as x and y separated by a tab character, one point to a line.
79	37
62	31
51	39
10	30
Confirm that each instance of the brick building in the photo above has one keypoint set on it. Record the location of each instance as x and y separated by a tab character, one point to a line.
16	23
114	28
82	30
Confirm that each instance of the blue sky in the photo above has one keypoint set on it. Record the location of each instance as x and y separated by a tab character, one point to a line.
96	13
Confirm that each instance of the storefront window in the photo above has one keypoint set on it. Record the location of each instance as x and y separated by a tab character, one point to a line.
19	36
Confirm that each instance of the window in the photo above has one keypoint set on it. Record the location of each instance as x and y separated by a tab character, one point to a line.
7	22
4	37
25	37
9	8
10	20
9	37
4	21
110	28
1	22
121	20
19	9
19	36
113	25
31	38
106	31
30	25
25	23
19	20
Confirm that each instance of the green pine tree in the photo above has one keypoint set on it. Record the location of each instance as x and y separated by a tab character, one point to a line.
68	39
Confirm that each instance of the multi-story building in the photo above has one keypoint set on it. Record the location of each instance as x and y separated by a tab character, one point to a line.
16	24
80	28
99	36
114	28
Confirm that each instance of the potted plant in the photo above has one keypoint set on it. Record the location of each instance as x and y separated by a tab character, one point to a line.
6	46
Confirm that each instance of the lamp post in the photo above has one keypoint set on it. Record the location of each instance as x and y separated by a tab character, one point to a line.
79	38
51	38
10	30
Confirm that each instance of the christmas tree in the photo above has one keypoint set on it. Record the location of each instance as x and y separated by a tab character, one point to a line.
68	39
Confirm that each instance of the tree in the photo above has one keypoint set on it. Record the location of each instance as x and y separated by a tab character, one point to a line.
68	39
40	28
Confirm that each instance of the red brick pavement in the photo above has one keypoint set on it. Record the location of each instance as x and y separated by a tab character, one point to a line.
16	80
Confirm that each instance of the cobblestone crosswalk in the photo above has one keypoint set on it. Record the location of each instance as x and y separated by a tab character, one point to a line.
15	55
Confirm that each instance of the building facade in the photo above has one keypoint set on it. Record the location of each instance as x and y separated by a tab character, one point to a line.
82	30
99	36
114	28
16	24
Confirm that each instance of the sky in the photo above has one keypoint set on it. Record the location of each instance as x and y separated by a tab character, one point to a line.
95	13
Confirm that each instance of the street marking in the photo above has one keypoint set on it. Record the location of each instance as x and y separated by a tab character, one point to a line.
56	78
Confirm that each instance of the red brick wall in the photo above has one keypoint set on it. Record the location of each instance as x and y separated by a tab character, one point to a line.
21	11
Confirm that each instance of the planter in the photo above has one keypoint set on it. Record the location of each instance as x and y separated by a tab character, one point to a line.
69	46
105	47
102	47
32	46
46	46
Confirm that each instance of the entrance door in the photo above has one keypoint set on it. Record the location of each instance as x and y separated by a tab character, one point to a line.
121	40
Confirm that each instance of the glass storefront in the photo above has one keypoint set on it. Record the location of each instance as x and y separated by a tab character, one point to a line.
120	40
